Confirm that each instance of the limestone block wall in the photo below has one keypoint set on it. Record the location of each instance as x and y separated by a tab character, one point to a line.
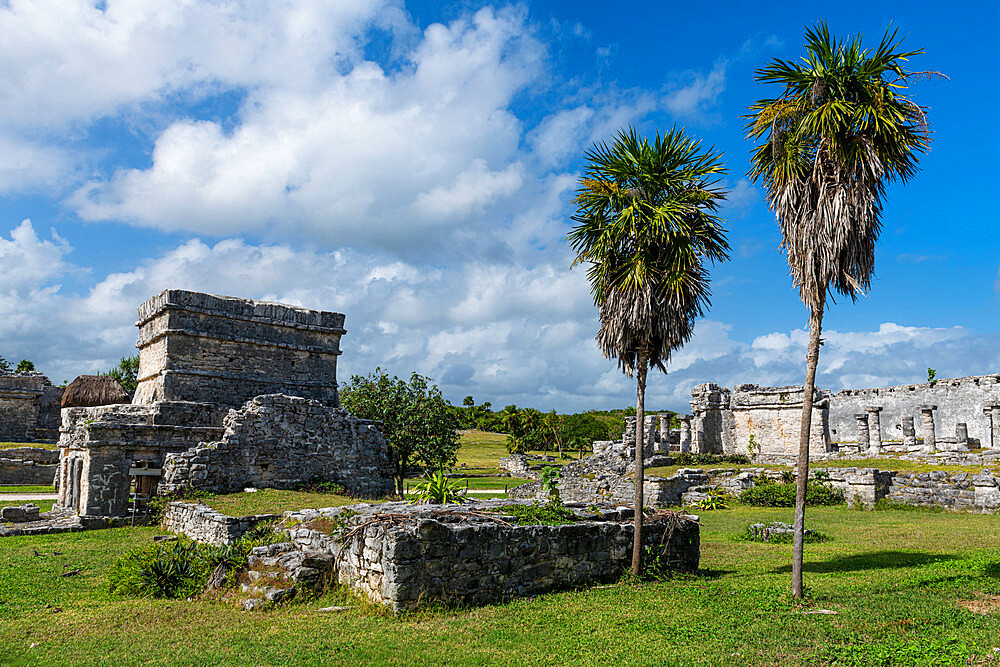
99	446
773	416
276	441
20	400
28	465
713	430
958	400
207	348
203	524
457	557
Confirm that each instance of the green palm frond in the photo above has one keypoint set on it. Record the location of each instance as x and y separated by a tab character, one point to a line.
646	223
840	130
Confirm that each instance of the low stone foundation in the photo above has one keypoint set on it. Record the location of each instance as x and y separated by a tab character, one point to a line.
404	556
203	524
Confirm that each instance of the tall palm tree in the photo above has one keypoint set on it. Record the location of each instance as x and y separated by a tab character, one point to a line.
646	224
827	146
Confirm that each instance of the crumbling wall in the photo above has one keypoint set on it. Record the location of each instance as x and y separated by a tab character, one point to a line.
276	441
30	466
958	400
712	426
454	556
99	447
203	524
773	416
226	350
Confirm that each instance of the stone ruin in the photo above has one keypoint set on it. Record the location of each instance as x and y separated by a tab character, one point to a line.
403	556
951	415
29	408
232	392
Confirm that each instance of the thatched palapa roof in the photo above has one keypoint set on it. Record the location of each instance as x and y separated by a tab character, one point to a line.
88	391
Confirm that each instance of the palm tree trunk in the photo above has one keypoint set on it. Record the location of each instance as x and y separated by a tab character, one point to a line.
812	359
640	442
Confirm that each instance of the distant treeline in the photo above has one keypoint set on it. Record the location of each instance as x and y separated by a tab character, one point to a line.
529	429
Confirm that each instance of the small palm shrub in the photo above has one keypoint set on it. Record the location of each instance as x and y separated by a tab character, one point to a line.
438	489
715	501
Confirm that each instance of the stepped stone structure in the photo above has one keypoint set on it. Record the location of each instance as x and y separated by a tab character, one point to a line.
29	408
232	392
221	350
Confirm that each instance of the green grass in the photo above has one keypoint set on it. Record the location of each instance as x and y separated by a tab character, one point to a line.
481	451
479	483
43	505
38	445
894	580
26	489
275	501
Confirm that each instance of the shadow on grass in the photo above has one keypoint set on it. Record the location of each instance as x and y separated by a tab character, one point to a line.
875	560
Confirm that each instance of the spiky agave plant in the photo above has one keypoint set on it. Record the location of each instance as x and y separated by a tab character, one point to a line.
840	130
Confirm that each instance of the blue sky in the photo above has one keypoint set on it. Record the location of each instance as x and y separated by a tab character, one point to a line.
412	165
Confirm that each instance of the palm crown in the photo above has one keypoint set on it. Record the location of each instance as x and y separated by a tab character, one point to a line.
646	223
838	133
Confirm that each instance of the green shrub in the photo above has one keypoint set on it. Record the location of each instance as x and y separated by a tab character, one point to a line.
181	569
771	494
438	489
550	484
320	485
776	532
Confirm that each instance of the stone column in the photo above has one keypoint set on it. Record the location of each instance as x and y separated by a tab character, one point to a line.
962	434
993	412
686	432
909	432
629	434
927	424
665	433
874	428
863	431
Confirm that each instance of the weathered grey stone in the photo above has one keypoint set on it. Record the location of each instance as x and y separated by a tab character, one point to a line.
874	428
19	513
29	408
464	557
927	424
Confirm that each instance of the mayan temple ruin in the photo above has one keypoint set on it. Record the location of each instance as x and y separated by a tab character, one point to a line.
232	392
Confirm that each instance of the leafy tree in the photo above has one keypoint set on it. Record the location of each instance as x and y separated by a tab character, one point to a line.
840	130
417	422
646	224
126	373
4	365
579	431
24	366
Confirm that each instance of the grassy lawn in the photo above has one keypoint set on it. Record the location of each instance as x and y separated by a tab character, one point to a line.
893	579
43	505
38	445
275	501
481	451
27	489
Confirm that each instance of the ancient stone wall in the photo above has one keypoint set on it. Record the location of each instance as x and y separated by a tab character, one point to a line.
959	400
203	524
20	401
276	441
201	347
773	416
101	447
452	555
713	430
28	466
